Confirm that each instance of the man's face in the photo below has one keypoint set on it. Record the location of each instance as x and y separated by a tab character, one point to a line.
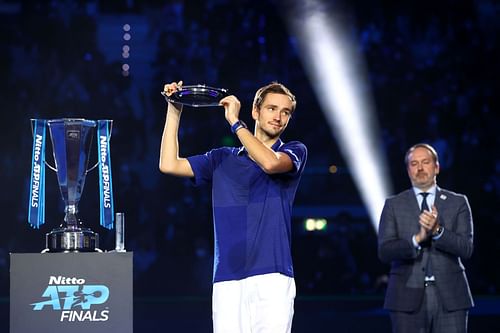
422	169
273	115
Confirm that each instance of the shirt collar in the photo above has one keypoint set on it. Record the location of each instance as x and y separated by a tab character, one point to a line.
274	147
431	190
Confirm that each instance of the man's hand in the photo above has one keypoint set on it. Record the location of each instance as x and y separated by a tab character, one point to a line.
428	223
171	88
232	107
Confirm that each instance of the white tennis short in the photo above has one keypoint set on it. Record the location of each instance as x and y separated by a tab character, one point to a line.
257	304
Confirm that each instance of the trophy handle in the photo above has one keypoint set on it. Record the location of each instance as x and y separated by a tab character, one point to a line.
97	163
93	167
50	166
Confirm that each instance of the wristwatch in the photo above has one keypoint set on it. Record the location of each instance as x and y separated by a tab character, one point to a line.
238	125
438	231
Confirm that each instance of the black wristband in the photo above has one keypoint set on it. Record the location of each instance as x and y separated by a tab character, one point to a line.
237	125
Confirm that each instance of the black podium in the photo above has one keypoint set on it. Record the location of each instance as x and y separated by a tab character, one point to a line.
71	292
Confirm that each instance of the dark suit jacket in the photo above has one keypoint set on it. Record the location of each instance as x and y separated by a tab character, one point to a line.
398	224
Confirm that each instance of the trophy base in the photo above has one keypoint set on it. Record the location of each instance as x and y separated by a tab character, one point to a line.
72	240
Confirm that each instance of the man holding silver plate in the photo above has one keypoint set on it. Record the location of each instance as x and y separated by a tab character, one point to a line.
253	188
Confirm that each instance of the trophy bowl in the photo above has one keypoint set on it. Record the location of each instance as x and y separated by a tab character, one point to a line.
198	95
71	141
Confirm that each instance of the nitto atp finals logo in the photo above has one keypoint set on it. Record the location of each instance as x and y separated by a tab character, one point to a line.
68	294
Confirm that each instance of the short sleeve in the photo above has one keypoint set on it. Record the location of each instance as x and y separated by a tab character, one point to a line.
297	152
204	165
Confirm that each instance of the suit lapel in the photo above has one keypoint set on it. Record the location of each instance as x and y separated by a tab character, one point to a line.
412	202
413	209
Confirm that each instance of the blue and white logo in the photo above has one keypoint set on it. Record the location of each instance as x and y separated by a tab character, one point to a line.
76	300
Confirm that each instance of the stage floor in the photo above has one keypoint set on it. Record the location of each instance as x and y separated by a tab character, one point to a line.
312	315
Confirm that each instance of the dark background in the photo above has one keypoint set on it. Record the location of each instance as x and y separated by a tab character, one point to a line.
433	74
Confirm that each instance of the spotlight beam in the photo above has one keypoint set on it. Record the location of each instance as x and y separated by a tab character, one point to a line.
337	78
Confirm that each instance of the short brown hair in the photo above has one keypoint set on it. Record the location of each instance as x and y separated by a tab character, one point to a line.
275	88
425	146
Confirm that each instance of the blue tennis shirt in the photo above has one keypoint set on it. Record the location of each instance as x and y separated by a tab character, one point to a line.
251	210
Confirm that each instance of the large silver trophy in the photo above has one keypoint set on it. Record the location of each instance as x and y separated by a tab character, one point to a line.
71	143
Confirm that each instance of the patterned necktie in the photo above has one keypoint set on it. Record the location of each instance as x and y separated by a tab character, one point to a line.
424	206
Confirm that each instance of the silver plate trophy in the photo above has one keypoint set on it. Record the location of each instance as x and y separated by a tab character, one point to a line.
197	95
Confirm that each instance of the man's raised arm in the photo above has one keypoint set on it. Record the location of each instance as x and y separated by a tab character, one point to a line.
170	162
